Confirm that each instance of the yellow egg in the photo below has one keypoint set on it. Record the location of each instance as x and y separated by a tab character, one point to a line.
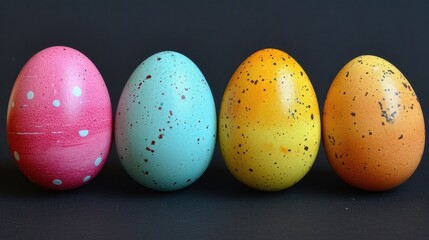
269	122
373	126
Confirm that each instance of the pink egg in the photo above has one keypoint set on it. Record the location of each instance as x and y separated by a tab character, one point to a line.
59	119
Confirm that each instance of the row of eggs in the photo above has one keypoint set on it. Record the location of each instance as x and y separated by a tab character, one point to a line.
60	126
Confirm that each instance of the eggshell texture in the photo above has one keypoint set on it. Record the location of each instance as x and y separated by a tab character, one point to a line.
269	123
165	127
59	119
373	126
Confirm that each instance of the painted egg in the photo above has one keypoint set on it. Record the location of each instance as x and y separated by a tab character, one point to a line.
269	123
59	119
165	127
373	126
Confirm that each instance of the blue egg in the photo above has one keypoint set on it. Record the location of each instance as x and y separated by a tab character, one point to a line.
165	128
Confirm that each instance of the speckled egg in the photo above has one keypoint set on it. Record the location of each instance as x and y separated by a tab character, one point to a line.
269	123
165	128
373	126
59	119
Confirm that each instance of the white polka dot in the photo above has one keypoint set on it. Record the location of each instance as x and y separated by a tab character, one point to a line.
56	103
30	95
16	155
77	91
13	103
86	179
97	161
57	182
83	133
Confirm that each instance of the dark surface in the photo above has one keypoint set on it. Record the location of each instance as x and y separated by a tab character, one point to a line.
217	35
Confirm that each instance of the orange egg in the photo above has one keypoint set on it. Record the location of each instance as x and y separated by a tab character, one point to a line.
372	125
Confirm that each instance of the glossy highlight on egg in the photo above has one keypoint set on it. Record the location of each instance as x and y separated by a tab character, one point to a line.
373	126
269	122
59	119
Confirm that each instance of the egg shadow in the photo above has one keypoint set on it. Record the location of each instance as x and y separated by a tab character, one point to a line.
114	181
320	182
14	184
324	182
215	182
218	182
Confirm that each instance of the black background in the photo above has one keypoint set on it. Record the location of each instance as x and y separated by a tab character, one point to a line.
217	35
